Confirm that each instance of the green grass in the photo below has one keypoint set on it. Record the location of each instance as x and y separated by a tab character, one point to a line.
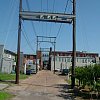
69	81
4	77
5	95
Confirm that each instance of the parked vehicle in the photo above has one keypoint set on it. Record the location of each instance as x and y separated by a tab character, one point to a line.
28	72
33	69
64	71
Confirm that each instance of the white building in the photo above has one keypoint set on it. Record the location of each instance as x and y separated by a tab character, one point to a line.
7	60
64	59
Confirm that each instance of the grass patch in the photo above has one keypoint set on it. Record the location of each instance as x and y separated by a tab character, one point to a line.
69	81
4	77
5	95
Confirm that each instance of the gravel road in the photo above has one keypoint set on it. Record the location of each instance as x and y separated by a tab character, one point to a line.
43	86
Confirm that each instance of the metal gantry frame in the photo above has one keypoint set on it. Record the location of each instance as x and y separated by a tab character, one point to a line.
51	40
48	17
47	50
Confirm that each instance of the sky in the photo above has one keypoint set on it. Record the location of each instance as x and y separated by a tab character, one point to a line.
87	25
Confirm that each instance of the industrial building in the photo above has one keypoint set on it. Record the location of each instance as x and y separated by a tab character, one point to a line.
64	59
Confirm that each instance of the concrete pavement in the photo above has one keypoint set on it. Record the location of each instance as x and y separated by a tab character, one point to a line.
3	86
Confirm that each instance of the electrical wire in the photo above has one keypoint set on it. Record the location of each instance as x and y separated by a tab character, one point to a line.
53	5
47	5
41	5
31	21
40	21
26	38
11	6
23	33
61	23
52	12
11	15
46	22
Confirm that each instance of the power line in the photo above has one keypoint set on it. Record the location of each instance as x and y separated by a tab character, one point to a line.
52	12
11	15
61	23
31	21
53	5
66	6
47	5
41	5
26	38
46	22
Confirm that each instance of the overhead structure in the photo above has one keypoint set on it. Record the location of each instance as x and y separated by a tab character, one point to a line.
45	49
48	17
49	40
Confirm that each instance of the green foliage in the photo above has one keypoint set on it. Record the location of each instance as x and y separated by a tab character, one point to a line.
89	75
4	77
98	86
5	95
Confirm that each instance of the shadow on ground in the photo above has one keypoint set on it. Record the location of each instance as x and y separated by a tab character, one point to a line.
64	93
8	81
67	93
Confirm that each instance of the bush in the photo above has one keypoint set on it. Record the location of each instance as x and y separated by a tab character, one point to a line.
88	75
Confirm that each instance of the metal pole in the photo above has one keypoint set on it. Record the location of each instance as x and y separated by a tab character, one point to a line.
74	46
37	55
54	58
18	45
50	58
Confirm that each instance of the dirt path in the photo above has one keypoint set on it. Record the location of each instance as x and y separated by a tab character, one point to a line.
43	86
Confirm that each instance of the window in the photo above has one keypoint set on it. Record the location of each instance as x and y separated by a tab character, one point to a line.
85	60
59	59
65	59
52	59
82	60
62	60
56	59
68	59
88	60
77	59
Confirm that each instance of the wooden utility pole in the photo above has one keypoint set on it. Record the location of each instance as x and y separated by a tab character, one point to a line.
54	57
37	56
74	46
18	45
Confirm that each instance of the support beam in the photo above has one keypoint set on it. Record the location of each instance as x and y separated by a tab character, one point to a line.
46	41
47	17
31	13
46	37
45	49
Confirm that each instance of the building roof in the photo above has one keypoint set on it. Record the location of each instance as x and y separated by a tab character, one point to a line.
9	52
30	54
76	52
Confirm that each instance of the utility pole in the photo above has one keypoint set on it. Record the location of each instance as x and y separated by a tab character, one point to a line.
54	57
37	55
50	58
18	45
74	46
